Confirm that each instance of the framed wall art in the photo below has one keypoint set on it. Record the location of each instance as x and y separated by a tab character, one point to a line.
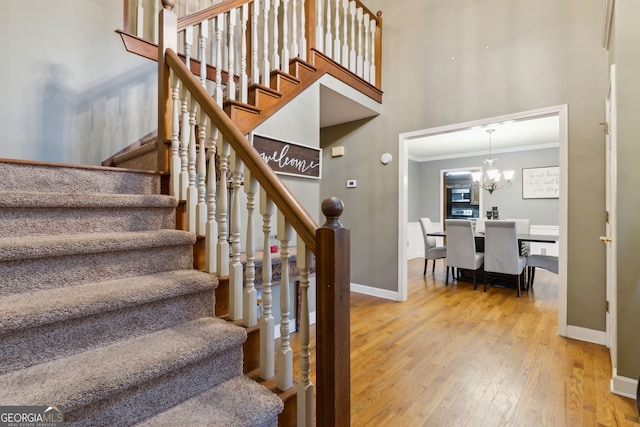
541	183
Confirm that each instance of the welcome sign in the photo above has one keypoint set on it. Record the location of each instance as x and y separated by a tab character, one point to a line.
287	158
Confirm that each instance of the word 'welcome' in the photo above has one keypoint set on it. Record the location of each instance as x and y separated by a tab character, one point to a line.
288	158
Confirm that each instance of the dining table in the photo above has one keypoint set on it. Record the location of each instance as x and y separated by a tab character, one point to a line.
502	280
537	238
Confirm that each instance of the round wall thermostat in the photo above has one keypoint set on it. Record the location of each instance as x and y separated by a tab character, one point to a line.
386	158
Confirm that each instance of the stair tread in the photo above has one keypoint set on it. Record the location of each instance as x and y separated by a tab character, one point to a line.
80	379
32	199
238	401
32	247
36	308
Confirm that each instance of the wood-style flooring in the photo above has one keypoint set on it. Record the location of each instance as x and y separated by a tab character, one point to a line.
452	356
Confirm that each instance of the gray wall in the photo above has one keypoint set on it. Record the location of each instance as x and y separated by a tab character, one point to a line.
70	91
447	62
625	53
424	190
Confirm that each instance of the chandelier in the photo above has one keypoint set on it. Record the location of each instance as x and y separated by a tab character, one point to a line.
490	181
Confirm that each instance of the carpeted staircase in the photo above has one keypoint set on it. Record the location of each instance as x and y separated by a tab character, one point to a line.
101	312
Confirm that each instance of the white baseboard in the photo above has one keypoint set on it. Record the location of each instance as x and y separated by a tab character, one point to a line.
588	335
375	292
276	328
624	386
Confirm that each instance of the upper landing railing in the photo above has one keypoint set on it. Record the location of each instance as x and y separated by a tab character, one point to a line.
257	36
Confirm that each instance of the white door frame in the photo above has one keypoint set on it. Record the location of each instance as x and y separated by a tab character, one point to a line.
611	203
562	112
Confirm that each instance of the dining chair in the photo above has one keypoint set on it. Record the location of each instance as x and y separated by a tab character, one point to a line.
461	248
501	251
523	226
431	250
546	262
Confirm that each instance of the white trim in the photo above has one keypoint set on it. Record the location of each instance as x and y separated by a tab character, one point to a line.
563	216
563	140
403	209
623	386
375	292
484	152
588	335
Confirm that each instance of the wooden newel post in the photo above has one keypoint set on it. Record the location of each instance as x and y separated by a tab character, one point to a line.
167	39
333	323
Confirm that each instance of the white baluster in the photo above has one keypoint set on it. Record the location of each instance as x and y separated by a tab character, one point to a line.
175	138
235	273
372	73
359	49
328	42
255	66
336	35
285	353
140	20
284	65
266	66
345	46
352	53
231	83
184	146
219	49
201	206
294	29
204	34
244	81
188	42
366	48
250	301
223	207
192	191
267	368
211	242
275	61
319	27
303	27
305	388
156	20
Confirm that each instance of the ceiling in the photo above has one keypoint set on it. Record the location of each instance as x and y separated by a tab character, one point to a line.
336	108
518	135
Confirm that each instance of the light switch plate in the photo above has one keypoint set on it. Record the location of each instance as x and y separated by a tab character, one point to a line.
351	183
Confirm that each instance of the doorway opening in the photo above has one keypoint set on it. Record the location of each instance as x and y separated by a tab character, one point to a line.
562	144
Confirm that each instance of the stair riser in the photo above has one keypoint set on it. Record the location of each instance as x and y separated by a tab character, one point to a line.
43	177
30	222
54	272
129	406
21	349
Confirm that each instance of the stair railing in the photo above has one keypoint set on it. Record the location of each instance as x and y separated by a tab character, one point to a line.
208	151
248	39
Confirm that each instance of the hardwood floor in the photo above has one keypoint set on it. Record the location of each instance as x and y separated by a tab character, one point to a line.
452	356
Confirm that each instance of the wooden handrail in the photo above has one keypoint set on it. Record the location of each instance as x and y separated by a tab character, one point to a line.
210	12
288	204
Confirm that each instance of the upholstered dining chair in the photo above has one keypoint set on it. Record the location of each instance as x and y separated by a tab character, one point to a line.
431	250
523	226
461	248
546	262
501	251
